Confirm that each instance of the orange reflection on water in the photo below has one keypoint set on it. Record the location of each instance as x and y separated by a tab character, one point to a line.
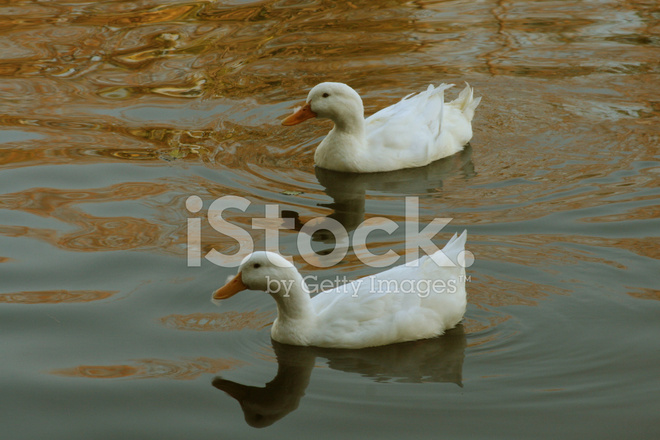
55	296
645	294
115	15
92	233
57	202
213	322
185	369
473	326
99	372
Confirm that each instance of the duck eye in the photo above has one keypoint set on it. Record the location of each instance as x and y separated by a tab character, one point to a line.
256	265
325	95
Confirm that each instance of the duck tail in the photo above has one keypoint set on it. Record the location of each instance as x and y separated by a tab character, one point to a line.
451	256
466	102
455	246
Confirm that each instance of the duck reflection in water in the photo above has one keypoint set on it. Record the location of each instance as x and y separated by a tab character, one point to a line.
431	360
348	190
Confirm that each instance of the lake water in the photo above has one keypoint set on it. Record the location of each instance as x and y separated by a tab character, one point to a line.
114	113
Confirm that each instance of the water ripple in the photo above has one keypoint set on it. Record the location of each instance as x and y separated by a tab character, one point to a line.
55	296
185	369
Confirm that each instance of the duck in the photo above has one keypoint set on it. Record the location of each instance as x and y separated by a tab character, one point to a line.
417	300
418	130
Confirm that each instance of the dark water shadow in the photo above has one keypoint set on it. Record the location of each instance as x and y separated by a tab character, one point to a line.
348	190
435	360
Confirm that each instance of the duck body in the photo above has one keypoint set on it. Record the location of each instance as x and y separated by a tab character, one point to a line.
414	132
418	300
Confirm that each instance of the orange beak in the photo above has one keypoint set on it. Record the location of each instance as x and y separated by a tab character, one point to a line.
302	114
231	288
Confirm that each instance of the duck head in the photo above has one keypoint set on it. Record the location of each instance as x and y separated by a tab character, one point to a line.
331	100
266	271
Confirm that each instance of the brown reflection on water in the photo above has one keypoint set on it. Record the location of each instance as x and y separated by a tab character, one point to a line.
549	250
571	179
115	15
49	202
534	37
186	369
92	233
213	322
266	53
645	294
108	142
55	296
248	49
474	326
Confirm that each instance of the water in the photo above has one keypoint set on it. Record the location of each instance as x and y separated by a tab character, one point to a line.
114	113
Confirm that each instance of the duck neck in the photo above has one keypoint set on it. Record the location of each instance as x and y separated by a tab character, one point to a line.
344	147
295	314
350	123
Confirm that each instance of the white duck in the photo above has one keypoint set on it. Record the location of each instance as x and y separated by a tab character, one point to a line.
408	302
414	132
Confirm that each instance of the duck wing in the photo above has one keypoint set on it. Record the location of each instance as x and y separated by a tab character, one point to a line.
397	305
408	130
